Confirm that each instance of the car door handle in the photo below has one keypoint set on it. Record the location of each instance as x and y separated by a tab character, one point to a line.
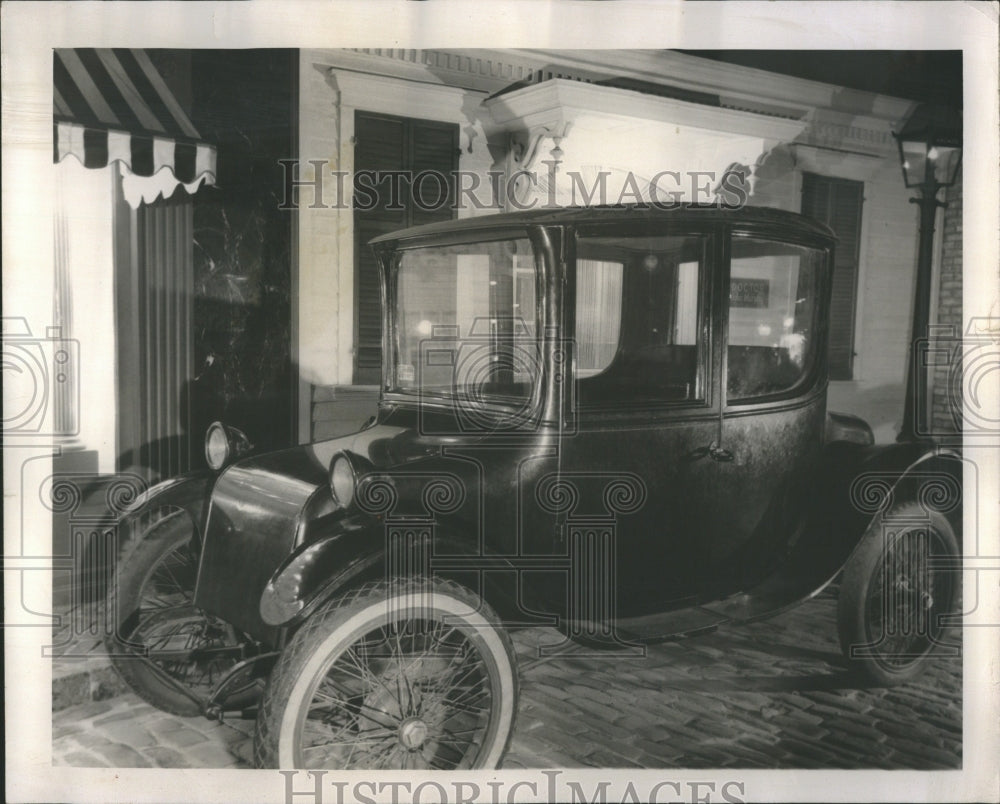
696	454
717	453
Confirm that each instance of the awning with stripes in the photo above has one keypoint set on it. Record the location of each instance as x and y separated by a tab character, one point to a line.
112	105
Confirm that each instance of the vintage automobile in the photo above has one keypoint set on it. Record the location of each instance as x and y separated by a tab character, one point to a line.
607	420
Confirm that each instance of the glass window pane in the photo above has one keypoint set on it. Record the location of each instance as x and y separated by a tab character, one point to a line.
638	302
598	314
772	317
466	324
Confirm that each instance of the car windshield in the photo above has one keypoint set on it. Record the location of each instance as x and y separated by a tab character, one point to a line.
465	322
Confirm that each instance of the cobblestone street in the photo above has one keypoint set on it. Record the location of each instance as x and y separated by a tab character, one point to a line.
774	694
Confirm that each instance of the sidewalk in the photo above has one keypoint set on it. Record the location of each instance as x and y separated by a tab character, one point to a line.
774	694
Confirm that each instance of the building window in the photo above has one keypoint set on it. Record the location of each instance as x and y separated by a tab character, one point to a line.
423	150
837	203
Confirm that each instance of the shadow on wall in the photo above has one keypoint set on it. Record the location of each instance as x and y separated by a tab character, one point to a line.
264	413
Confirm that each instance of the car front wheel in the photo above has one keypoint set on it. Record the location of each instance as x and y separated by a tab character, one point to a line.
896	594
168	650
414	674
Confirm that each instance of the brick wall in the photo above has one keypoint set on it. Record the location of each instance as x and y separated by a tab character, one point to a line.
946	378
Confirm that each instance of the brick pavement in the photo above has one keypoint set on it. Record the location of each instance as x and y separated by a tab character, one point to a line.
774	694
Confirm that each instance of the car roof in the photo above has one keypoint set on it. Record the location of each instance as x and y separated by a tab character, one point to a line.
680	213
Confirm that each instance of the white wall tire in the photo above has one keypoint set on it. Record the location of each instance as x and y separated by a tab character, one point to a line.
415	674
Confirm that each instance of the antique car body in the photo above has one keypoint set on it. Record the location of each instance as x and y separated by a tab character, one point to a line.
679	473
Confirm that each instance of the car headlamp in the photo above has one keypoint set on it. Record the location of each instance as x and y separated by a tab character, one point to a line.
223	443
343	480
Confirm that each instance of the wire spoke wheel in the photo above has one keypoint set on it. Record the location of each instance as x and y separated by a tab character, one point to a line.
169	651
895	597
415	694
185	643
411	680
904	600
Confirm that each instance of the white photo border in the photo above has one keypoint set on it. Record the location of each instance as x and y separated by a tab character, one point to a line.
31	29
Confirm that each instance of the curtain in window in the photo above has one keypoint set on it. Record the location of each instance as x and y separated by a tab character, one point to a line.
598	314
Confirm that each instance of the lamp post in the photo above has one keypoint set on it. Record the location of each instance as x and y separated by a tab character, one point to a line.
930	150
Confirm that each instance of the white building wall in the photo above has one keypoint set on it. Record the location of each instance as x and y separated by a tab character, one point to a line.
84	244
779	181
884	301
887	252
330	93
317	313
888	246
886	269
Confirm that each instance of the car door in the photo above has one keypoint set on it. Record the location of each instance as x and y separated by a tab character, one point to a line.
774	402
644	413
689	456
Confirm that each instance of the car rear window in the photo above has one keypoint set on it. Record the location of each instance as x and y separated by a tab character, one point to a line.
773	303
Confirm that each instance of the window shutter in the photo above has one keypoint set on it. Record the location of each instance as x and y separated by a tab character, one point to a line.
837	203
435	148
385	143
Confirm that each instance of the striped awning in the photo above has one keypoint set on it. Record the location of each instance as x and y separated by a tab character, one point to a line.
112	105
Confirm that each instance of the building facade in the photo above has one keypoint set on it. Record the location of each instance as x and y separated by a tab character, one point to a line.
269	292
565	127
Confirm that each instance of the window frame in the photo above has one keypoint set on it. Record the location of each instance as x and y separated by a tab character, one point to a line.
708	359
370	223
815	378
830	183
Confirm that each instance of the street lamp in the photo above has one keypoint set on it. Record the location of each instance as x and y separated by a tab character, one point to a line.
930	150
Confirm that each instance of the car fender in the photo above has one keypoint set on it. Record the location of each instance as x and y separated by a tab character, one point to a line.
859	486
865	484
930	476
356	548
188	493
890	475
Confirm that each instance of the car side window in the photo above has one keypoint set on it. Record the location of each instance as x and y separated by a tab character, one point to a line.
773	303
638	317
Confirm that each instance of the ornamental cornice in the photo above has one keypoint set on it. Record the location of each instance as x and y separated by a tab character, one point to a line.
737	87
866	135
837	117
557	103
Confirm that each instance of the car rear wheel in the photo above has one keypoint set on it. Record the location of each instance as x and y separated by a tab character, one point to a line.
167	650
894	596
414	674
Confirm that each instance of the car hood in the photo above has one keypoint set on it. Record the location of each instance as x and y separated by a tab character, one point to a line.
261	506
285	479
